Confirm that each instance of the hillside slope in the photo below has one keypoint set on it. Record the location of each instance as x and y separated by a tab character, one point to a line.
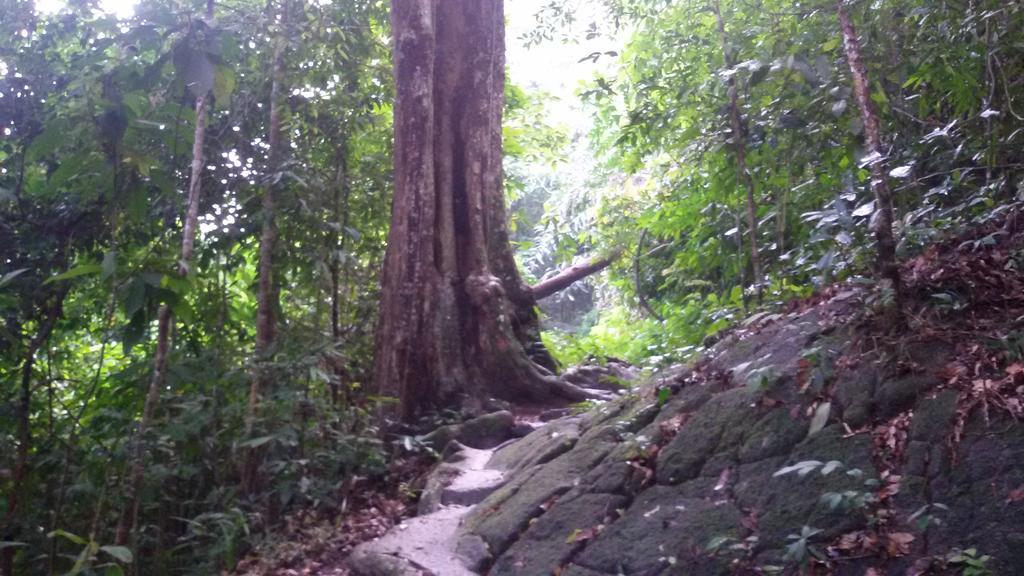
901	448
807	437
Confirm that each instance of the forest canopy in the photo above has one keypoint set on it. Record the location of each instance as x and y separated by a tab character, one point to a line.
195	202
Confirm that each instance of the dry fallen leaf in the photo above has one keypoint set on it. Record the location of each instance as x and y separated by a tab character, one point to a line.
899	543
1015	496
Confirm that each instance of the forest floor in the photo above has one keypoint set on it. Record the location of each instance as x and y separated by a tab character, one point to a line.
964	297
318	542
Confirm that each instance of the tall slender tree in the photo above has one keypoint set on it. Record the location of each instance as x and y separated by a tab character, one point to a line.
50	312
881	221
266	299
457	323
165	317
739	145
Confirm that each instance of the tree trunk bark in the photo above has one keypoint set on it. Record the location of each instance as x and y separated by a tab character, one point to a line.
740	147
16	496
266	322
339	260
457	323
165	326
881	221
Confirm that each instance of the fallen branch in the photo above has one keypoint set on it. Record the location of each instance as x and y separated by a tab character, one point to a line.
572	274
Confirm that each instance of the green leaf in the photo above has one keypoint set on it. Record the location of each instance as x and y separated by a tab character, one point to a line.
717	543
255	442
802	468
134	297
183	310
831	466
65	534
81	270
154	279
11	544
47	142
196	70
6	278
137	204
820	418
134	331
664	394
84	557
223	85
121	553
109	264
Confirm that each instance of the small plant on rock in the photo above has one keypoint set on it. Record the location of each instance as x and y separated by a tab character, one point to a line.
800	550
969	562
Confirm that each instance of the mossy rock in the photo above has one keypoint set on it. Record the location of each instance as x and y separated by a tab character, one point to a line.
701	437
501	517
659	528
550	540
895	395
542	445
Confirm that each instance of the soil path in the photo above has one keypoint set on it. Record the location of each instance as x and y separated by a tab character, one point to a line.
427	544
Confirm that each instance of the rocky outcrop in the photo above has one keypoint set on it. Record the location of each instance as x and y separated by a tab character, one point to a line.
681	475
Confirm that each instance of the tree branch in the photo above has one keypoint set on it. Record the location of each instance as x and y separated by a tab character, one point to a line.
572	274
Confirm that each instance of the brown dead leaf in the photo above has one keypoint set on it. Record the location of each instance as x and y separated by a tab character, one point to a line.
1015	496
583	535
921	567
803	373
670	427
1016	372
953	372
899	543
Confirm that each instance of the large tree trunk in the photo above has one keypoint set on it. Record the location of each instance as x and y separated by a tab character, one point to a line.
739	143
266	322
456	320
881	221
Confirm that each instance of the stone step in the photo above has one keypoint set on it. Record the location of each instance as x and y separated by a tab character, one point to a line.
420	546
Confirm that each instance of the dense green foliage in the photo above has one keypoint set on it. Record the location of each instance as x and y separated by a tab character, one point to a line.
97	120
946	79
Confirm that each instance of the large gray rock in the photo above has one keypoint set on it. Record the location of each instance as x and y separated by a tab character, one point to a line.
482	432
461	478
642	484
553	538
422	546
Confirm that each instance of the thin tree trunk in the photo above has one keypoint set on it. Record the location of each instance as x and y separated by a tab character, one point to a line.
342	193
881	221
58	506
165	326
740	148
16	496
266	324
341	201
457	324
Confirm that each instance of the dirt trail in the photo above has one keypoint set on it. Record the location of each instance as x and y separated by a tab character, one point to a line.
427	544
